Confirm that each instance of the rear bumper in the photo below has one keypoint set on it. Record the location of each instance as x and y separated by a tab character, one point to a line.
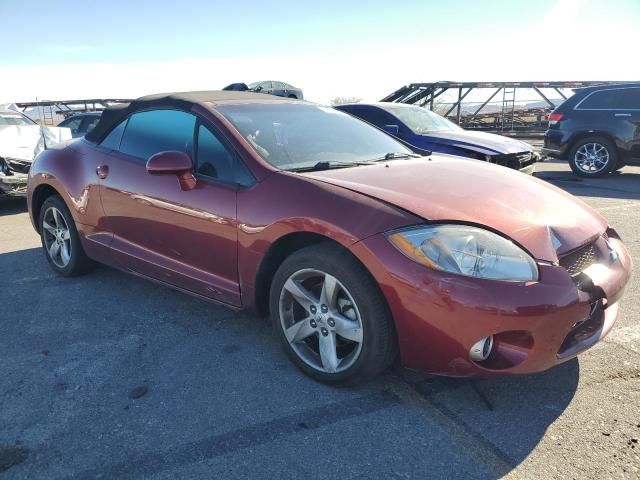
14	185
552	152
535	325
556	144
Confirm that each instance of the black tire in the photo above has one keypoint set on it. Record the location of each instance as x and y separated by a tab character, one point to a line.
292	96
78	262
619	166
608	145
379	344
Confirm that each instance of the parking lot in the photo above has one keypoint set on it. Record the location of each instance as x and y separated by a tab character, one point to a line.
111	376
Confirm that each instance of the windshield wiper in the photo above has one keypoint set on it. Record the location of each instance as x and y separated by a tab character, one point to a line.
395	155
328	165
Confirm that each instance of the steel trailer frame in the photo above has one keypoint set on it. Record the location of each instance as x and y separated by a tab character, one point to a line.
48	109
508	120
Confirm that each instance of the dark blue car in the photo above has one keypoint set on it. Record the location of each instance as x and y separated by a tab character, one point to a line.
427	130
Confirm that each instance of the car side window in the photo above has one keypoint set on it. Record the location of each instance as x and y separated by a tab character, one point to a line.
156	131
73	124
112	140
90	123
612	99
375	117
265	85
213	158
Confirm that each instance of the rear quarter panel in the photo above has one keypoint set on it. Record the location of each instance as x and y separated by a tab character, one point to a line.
69	170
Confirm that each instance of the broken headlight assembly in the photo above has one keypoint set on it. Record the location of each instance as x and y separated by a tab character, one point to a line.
466	250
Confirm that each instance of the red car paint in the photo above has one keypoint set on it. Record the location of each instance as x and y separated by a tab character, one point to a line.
211	240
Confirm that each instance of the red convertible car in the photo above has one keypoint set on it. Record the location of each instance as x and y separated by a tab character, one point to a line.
359	249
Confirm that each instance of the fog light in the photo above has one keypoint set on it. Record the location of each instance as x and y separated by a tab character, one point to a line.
481	349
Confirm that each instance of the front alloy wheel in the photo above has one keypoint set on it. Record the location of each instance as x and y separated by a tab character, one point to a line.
330	315
321	320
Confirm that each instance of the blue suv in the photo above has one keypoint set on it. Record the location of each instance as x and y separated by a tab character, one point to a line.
427	130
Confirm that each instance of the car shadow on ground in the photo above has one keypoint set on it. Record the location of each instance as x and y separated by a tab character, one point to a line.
12	206
165	340
619	185
504	417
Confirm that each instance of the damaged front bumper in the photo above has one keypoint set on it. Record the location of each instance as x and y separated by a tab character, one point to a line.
13	183
533	326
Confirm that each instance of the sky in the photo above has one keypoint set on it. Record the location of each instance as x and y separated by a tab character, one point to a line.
364	49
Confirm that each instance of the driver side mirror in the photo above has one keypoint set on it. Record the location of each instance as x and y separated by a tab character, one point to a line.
392	129
173	163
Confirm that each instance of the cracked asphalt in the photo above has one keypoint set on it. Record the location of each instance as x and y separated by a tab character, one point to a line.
110	376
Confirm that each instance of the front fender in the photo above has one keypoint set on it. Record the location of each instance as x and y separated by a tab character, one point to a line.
297	204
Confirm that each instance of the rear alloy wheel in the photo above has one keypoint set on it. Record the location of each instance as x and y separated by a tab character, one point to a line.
593	157
56	237
60	239
331	317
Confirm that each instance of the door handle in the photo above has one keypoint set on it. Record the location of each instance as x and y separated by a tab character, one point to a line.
622	114
102	171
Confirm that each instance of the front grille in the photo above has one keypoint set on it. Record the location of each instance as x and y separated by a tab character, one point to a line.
514	160
578	260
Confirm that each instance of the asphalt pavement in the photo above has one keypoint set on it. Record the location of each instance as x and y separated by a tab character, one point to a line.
110	376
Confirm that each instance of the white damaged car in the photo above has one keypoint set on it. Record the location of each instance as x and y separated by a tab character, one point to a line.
21	139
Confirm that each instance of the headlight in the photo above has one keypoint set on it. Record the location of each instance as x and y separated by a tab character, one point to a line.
466	250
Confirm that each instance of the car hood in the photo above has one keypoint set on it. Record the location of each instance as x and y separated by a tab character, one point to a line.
24	142
482	142
545	220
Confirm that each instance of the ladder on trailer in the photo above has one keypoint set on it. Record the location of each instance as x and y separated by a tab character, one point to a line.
508	108
48	116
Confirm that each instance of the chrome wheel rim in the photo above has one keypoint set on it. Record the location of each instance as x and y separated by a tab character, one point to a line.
321	321
592	157
57	238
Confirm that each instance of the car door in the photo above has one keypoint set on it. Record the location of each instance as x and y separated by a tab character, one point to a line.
267	87
279	89
183	237
630	116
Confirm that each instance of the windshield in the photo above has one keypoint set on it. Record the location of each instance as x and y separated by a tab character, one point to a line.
421	120
293	136
14	119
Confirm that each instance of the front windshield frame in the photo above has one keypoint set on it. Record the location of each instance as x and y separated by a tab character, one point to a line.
417	119
298	136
